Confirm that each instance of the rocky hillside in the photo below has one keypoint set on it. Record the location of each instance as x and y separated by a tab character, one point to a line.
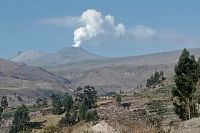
20	77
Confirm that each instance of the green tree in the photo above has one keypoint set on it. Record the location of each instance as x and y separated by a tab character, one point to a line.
118	99
69	118
67	102
4	102
83	109
162	75
80	108
90	96
57	105
155	79
88	101
1	111
21	119
186	78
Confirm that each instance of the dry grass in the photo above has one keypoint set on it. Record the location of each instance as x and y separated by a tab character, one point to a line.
81	127
49	120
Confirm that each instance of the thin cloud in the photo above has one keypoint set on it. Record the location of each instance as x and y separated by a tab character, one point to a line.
176	38
66	21
142	32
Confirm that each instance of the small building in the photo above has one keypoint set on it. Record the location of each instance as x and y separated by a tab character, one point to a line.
108	95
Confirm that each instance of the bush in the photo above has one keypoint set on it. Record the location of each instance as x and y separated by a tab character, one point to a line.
4	102
57	110
1	111
41	102
68	120
91	115
118	99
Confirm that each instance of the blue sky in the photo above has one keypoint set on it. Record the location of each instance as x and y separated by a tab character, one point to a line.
149	26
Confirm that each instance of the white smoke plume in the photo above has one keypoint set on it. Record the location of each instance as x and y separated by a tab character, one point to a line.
93	27
95	24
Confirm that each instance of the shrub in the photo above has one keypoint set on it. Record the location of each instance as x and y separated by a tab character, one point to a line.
21	119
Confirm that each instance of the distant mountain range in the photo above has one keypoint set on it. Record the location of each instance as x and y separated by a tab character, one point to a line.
124	73
106	74
27	55
64	56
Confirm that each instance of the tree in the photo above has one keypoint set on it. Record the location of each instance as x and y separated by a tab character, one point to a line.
67	102
88	101
83	109
41	102
162	75
1	111
186	78
21	119
118	99
4	102
90	96
155	79
198	70
69	118
57	105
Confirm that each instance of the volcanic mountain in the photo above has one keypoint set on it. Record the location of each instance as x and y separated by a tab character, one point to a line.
66	55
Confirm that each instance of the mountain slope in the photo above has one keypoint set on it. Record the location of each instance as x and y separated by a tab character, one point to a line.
16	76
125	73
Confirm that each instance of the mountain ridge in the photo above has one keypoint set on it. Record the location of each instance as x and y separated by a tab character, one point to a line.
64	56
27	55
116	73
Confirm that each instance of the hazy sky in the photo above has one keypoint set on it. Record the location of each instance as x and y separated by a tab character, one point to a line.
104	27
